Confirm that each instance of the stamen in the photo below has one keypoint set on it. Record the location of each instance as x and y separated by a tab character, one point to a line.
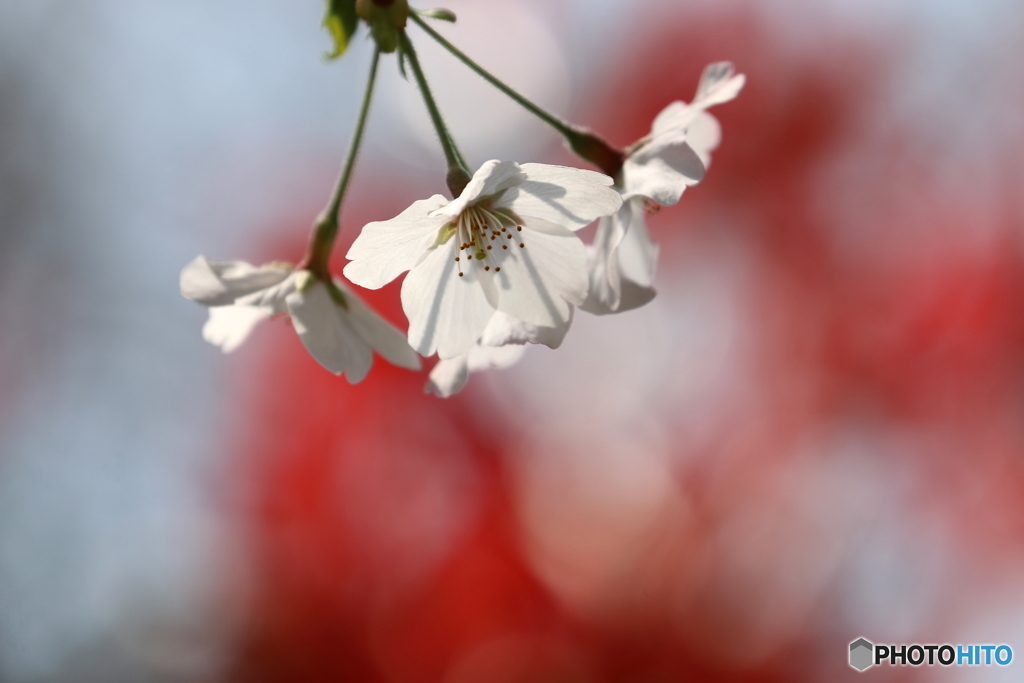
479	227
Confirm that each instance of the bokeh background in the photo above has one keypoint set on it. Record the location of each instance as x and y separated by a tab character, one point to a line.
814	433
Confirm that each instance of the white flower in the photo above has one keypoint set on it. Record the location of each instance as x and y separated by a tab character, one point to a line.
336	327
657	168
505	244
502	344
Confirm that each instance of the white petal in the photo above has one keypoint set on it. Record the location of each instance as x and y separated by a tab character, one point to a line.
611	291
229	326
638	254
662	169
492	178
718	85
327	334
631	296
272	297
503	330
219	283
448	377
446	312
570	197
603	262
634	296
539	281
386	249
704	134
381	335
676	116
654	169
493	357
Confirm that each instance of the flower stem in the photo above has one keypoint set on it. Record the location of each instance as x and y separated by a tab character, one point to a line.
325	230
552	120
581	140
458	175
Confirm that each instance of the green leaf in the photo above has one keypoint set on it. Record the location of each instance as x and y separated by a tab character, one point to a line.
439	13
341	21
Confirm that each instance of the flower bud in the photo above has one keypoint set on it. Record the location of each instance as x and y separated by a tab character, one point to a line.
457	179
586	144
387	20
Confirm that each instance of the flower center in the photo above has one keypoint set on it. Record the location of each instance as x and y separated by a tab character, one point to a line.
479	231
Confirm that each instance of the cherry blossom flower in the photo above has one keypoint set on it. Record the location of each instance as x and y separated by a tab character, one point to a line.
502	344
656	171
336	327
505	244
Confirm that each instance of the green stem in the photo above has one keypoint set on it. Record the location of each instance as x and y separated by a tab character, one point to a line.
458	175
458	153
581	140
325	230
552	120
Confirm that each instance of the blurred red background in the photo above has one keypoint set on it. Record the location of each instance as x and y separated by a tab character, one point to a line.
848	465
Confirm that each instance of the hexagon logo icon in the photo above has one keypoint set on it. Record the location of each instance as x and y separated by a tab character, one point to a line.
861	651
